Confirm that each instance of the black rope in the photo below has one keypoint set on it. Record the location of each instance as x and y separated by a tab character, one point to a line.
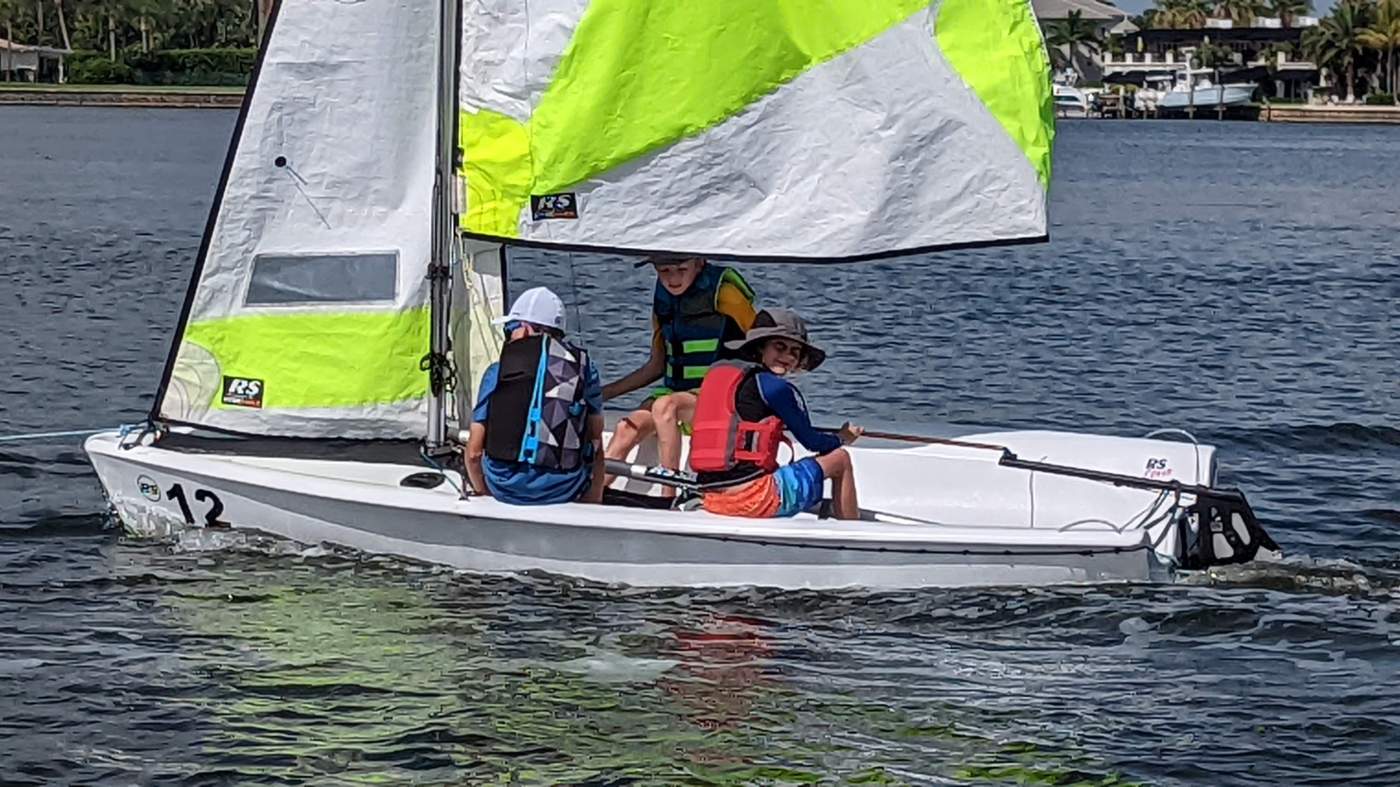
442	373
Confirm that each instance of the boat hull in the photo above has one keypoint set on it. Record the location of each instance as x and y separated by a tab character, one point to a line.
156	492
1207	97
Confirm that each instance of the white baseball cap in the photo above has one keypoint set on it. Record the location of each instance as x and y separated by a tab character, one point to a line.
537	306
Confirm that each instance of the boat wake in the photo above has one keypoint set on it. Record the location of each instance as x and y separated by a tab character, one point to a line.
1328	577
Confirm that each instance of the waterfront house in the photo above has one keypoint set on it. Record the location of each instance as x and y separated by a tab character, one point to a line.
1266	51
30	63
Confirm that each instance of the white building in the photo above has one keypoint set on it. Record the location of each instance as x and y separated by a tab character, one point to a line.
29	63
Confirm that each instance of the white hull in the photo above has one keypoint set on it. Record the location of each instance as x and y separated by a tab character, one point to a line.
1070	102
964	520
1207	97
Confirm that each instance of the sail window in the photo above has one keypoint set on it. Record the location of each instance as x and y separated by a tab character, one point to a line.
284	279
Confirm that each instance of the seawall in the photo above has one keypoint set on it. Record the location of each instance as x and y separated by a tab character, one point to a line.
1328	113
182	98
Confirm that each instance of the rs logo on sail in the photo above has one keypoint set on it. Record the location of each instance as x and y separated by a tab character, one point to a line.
243	391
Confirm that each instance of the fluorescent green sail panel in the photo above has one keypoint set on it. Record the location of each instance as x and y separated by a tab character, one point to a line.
497	166
321	360
996	46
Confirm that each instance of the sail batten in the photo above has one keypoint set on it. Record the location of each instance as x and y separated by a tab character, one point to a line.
758	130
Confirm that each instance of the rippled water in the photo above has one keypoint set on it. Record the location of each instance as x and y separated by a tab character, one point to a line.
1238	280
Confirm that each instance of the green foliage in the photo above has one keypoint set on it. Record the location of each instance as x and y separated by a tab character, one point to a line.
94	68
1068	37
149	24
1240	12
1288	10
1179	14
192	66
1210	55
1335	44
163	67
1380	99
1383	36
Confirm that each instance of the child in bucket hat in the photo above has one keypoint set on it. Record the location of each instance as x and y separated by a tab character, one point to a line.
763	398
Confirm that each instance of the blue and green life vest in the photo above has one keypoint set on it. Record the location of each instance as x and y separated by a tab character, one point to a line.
693	329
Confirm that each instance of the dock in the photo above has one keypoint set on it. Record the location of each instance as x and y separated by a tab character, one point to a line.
1329	113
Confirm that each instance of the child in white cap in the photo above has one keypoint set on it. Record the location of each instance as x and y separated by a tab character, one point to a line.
537	431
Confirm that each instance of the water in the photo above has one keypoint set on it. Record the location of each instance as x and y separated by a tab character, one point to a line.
1241	281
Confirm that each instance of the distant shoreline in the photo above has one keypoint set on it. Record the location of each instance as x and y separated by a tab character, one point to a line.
139	96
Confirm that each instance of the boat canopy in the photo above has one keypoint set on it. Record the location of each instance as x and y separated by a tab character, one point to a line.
755	130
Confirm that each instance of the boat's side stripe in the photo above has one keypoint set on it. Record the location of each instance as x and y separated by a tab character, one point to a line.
319	359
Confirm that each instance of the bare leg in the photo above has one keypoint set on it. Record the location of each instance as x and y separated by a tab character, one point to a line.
630	430
668	436
670	412
837	466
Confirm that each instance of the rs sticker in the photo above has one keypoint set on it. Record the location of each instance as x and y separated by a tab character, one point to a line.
243	391
554	206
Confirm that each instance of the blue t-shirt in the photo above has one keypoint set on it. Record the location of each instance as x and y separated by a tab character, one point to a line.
524	484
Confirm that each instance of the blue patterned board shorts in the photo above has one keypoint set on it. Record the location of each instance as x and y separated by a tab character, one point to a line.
799	485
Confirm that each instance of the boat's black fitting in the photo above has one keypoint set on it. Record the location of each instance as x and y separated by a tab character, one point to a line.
1220	529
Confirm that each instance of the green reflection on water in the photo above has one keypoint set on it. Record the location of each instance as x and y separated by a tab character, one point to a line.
340	673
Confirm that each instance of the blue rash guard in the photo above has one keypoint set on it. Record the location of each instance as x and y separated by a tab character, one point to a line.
786	402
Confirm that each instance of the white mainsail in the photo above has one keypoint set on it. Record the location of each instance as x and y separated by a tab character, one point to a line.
308	316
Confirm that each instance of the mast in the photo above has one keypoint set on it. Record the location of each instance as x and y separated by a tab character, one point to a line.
444	222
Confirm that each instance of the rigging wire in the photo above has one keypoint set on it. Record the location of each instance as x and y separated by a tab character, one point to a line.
16	438
573	286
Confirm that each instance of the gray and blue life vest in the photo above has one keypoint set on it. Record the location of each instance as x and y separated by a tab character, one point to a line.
538	413
693	329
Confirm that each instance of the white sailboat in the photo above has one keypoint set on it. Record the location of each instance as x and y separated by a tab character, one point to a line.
336	320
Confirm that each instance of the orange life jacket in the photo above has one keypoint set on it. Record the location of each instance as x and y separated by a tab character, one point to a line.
719	438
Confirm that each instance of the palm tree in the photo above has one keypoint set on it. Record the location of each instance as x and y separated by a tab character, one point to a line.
8	10
1214	56
1180	14
1383	34
1074	34
1335	44
1241	12
62	24
1288	10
